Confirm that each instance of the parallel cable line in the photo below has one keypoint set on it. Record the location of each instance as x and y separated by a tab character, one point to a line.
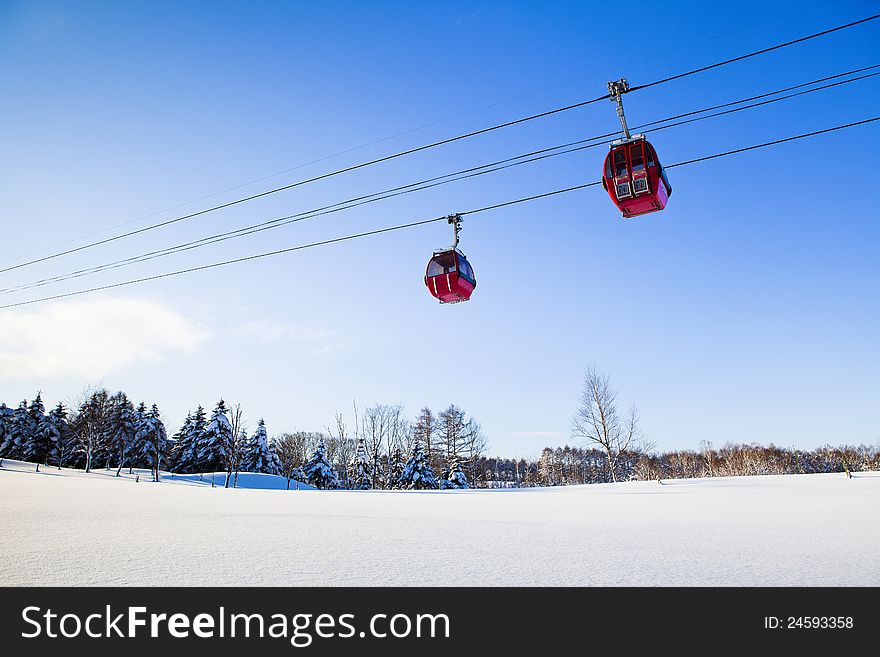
423	222
493	167
306	181
435	144
770	93
387	138
775	142
763	51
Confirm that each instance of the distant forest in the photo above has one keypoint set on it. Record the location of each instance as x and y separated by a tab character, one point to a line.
382	447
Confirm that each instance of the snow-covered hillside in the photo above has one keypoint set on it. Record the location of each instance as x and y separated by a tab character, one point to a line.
216	479
67	528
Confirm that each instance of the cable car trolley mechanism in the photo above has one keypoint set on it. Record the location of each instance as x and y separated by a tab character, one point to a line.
633	176
449	276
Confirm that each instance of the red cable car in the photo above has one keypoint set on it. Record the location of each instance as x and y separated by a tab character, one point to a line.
633	176
449	276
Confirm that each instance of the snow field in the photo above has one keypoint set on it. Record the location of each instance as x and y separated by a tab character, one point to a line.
68	528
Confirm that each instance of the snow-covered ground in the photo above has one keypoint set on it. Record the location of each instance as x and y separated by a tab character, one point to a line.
67	528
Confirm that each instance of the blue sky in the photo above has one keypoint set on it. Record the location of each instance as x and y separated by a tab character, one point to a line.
746	311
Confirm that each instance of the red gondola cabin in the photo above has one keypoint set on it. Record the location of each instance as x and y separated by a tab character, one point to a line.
449	276
634	177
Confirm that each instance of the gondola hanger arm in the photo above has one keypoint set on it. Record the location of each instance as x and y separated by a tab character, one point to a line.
616	89
455	220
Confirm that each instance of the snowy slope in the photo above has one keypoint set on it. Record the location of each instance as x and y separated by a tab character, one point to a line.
778	530
245	479
252	480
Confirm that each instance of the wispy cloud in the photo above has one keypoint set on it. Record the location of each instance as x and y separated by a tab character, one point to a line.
91	338
313	340
536	434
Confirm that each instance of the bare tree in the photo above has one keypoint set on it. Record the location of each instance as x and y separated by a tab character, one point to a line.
397	435
461	438
292	450
239	438
374	429
451	427
473	446
597	419
239	447
341	446
708	457
89	423
423	430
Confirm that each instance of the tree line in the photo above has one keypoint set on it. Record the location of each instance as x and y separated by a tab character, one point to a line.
564	466
382	448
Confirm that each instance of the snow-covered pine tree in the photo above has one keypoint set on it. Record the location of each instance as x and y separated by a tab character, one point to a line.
216	446
5	422
18	431
102	407
60	434
395	468
190	461
122	429
136	450
182	443
37	411
38	442
153	441
361	474
417	473
455	479
256	456
297	475
319	471
188	442
274	459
